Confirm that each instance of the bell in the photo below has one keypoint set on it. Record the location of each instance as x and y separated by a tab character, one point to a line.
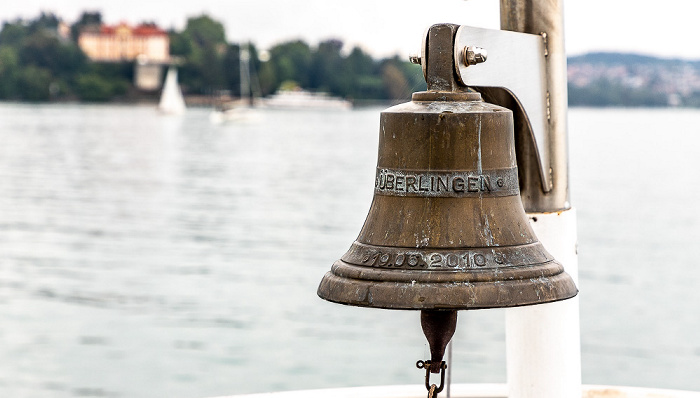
446	230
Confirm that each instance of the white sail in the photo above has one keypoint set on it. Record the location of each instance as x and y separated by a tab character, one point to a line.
171	101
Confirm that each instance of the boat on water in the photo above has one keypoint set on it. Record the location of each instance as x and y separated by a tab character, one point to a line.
243	110
232	112
302	99
171	100
246	108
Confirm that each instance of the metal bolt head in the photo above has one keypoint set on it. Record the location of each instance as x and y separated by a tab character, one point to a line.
415	59
474	55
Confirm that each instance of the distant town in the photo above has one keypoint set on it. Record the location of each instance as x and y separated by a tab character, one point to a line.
48	59
614	79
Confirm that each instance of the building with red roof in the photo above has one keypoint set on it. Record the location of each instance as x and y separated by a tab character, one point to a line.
145	42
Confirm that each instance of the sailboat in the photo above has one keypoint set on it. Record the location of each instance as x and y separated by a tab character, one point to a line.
171	100
243	110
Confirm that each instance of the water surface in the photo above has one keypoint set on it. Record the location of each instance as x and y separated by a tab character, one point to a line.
143	255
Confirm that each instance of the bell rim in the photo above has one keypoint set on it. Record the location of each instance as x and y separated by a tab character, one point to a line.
446	295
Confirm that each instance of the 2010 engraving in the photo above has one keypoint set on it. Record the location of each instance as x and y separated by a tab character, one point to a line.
376	258
445	259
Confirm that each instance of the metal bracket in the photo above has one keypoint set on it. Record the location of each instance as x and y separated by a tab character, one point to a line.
517	62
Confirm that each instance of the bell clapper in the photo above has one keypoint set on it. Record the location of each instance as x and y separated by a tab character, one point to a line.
438	327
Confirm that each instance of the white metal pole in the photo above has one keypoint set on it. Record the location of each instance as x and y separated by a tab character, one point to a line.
448	393
543	341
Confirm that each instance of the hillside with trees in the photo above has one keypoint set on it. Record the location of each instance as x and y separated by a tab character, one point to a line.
40	60
38	63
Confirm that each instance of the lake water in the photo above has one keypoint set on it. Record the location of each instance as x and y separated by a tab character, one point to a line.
152	256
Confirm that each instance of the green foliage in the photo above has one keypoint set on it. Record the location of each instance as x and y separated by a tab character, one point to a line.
93	88
96	88
104	81
232	68
33	83
114	70
13	33
395	83
45	21
326	68
179	44
267	79
45	50
414	75
202	45
204	31
290	61
9	71
87	19
36	64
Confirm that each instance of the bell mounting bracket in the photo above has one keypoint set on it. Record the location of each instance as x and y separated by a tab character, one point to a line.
517	65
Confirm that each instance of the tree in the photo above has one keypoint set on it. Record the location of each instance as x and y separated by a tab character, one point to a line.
363	72
13	33
180	44
45	50
34	58
328	71
395	83
45	22
33	84
204	31
413	74
96	88
204	41
232	67
87	19
291	61
9	70
360	63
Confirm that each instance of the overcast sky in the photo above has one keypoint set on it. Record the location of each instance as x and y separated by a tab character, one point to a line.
668	28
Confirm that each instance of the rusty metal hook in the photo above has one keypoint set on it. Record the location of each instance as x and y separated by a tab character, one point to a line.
433	389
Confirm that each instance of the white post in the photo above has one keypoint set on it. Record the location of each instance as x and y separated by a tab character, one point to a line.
448	392
543	347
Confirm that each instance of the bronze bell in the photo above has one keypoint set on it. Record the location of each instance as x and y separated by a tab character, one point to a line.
446	230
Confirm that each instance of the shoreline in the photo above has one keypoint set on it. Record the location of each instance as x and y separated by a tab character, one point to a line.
203	101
